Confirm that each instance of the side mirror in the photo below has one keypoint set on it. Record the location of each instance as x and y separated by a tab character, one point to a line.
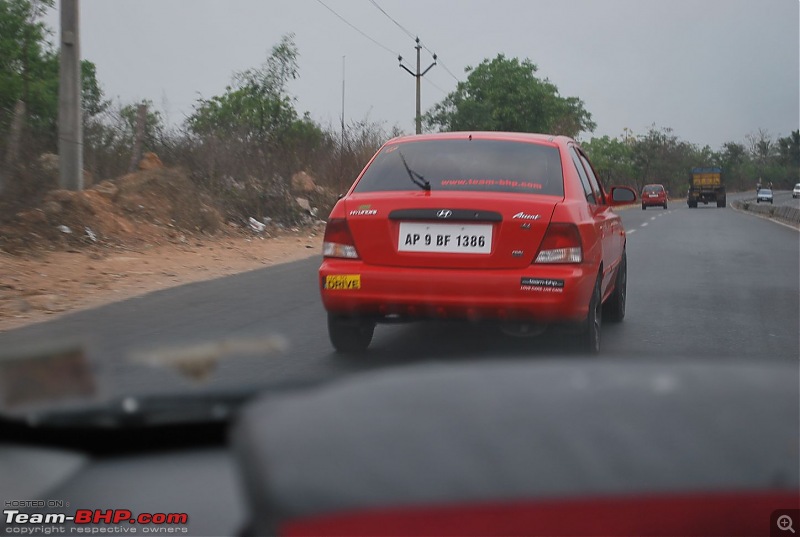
622	195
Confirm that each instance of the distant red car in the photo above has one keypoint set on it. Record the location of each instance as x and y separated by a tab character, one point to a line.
654	196
490	226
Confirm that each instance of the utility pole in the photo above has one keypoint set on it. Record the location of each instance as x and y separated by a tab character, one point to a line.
343	75
418	76
70	117
341	146
141	120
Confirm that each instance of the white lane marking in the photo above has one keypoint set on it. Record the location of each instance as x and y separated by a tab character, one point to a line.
653	218
631	231
644	224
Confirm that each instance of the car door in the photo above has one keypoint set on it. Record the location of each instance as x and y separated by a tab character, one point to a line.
608	222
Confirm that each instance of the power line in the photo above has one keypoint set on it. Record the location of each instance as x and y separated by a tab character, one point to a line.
449	72
384	47
412	36
435	86
409	34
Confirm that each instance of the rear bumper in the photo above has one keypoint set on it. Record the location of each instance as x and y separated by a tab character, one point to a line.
557	293
654	202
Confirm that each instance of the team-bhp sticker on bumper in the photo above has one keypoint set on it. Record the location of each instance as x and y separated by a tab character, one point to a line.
543	285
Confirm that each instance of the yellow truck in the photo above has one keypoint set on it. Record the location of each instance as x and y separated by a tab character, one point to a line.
705	186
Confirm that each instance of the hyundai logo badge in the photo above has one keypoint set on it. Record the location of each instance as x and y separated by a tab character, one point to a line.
444	213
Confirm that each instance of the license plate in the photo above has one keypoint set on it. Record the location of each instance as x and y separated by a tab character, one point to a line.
653	195
445	238
343	281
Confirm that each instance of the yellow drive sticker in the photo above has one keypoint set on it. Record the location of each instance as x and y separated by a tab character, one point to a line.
343	281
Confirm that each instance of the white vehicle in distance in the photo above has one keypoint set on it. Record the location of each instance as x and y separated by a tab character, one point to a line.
765	195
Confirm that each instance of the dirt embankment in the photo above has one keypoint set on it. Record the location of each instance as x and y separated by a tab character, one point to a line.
145	231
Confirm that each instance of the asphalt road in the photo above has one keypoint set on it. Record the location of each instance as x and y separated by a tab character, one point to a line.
705	283
780	197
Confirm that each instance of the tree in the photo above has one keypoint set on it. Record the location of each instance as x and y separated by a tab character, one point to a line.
762	148
250	140
153	125
737	166
29	69
659	156
22	53
256	106
789	155
505	95
612	159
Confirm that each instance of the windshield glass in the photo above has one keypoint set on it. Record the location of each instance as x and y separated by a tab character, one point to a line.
205	203
467	165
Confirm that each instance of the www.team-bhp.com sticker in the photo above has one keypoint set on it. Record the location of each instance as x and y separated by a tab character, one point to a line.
542	285
340	282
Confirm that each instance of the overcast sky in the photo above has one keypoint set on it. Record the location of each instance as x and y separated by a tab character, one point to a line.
712	70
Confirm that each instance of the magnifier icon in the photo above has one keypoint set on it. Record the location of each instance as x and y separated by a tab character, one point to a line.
785	523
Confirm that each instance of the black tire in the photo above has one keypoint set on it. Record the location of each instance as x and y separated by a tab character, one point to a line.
644	207
590	337
350	335
758	200
665	206
614	307
721	202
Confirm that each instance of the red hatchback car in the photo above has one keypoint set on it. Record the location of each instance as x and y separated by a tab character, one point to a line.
482	226
654	196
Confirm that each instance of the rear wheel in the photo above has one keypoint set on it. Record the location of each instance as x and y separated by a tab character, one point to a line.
350	334
614	308
665	206
590	338
644	207
721	202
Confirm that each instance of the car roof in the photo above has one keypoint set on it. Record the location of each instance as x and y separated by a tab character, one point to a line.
485	135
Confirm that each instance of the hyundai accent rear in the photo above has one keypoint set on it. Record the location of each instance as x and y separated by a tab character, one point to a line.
473	226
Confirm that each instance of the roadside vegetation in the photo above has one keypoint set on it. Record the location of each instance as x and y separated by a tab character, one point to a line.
242	149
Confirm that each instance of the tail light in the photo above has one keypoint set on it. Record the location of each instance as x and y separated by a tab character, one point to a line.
338	241
561	244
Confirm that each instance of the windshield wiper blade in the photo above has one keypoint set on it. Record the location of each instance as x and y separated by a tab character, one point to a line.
416	178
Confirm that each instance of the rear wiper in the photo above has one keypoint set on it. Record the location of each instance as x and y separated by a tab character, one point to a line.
416	178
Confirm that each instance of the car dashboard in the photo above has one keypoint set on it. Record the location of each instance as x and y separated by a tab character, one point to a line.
700	448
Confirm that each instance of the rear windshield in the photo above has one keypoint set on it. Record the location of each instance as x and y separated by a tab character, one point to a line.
467	165
652	189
